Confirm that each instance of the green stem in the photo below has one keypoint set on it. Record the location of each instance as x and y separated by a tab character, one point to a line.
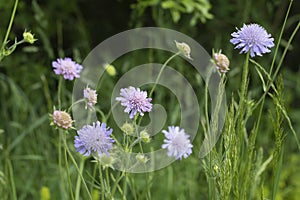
59	91
78	170
107	180
116	183
161	71
67	166
78	182
124	186
101	181
10	24
60	156
11	179
280	36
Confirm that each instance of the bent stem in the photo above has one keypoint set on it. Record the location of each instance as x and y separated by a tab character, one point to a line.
161	71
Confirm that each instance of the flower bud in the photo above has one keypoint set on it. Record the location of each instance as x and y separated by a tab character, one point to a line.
62	119
184	49
90	96
110	69
127	128
29	37
145	136
141	158
222	62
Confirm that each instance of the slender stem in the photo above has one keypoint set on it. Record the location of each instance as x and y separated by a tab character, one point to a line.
80	174
67	166
59	91
60	156
107	180
280	36
101	181
11	179
124	186
78	182
75	103
161	71
10	24
269	84
116	183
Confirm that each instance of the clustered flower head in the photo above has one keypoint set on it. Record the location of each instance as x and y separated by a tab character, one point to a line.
184	49
135	101
90	96
62	119
177	142
67	67
253	38
94	138
222	62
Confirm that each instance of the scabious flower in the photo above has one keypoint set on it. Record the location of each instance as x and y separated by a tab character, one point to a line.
67	67
177	142
253	38
62	119
184	49
221	61
94	138
135	101
90	96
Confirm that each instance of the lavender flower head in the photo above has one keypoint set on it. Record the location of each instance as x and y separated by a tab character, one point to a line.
177	142
90	96
135	101
67	67
253	38
94	139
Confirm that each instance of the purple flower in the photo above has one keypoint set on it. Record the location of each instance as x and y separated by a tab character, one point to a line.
253	38
67	67
135	101
177	142
90	96
94	139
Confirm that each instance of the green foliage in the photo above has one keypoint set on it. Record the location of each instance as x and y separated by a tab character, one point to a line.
257	156
197	10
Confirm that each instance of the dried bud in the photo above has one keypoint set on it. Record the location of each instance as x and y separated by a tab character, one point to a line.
184	49
62	119
222	62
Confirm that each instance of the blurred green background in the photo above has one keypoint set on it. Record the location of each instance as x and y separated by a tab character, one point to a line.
72	28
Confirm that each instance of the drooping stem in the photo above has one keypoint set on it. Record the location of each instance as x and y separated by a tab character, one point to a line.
161	71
